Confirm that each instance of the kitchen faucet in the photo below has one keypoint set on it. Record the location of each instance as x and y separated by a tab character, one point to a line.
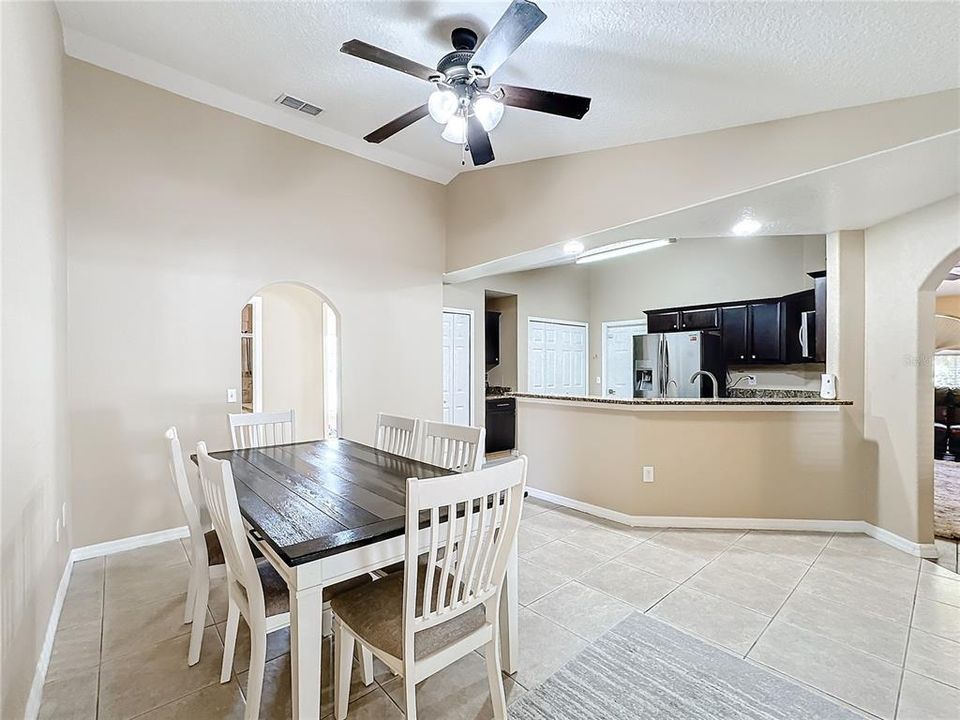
710	375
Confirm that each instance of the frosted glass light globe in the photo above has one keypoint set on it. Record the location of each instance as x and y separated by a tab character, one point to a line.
442	105
489	111
456	130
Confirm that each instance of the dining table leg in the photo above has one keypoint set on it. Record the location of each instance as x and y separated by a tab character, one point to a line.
306	637
510	615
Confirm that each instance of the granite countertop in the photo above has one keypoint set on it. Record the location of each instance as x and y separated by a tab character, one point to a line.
743	402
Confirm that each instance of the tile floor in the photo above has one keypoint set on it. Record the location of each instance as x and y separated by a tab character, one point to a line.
843	614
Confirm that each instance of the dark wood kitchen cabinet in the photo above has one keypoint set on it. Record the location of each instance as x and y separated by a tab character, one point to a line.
733	330
662	322
699	319
764	332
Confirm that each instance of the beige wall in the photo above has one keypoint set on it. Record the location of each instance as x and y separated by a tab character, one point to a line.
176	214
706	464
543	202
905	260
560	293
705	270
34	469
948	305
292	343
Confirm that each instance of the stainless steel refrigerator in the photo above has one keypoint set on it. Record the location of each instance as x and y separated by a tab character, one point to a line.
664	363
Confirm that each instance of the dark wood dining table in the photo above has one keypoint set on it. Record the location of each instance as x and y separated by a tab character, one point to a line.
327	511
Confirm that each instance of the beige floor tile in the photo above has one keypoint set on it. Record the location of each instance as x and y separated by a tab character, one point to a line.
127	585
81	606
858	593
751	591
166	553
937	619
222	702
775	568
75	648
870	633
629	584
933	568
889	575
565	559
940	588
556	523
796	546
132	627
275	701
375	705
867	547
87	575
662	561
530	539
72	696
545	647
458	692
720	621
142	681
604	542
935	657
278	643
534	581
582	610
856	677
704	544
637	533
924	699
217	602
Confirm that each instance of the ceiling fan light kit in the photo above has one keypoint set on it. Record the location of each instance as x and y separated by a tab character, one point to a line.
462	100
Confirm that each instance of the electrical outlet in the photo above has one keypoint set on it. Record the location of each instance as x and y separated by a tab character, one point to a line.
648	473
231	394
751	379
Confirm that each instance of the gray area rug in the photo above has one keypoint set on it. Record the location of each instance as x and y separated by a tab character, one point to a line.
646	669
946	499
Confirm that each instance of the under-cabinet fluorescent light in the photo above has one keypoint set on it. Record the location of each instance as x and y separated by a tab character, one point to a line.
619	249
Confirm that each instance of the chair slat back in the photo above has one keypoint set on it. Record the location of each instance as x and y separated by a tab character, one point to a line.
188	490
251	430
397	434
220	493
455	447
489	503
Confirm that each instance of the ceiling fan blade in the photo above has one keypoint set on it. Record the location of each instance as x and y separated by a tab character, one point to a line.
515	26
545	101
396	125
953	276
366	51
479	142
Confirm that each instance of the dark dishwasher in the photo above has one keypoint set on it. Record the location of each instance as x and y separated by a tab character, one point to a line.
501	424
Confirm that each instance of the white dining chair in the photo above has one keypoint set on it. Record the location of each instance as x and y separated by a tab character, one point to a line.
206	555
251	430
441	608
255	590
455	447
397	434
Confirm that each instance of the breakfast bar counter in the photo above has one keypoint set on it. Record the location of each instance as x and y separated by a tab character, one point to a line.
735	404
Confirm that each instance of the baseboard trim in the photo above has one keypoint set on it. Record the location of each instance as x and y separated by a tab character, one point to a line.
43	662
737	523
129	543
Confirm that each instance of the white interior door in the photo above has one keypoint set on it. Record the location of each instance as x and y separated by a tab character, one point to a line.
457	354
618	358
556	358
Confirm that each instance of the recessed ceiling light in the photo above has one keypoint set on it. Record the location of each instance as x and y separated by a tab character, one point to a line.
572	247
619	249
747	226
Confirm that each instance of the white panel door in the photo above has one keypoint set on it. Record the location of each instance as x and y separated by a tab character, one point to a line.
556	358
456	367
618	358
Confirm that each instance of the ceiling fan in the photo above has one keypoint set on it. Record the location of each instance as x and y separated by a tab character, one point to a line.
954	274
463	100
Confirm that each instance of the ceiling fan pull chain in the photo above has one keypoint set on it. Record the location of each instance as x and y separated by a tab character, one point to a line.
463	154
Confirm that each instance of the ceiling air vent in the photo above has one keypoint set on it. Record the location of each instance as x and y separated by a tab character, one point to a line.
297	104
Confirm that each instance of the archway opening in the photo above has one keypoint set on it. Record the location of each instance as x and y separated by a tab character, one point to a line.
290	357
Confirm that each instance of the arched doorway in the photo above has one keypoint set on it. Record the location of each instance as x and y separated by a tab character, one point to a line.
290	357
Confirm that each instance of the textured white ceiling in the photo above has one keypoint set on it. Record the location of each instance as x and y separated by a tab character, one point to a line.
654	70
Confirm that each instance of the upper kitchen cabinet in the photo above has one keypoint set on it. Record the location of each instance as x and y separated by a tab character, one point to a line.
751	333
733	330
492	335
661	321
700	318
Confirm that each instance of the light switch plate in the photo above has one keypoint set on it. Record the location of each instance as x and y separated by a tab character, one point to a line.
648	473
231	394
